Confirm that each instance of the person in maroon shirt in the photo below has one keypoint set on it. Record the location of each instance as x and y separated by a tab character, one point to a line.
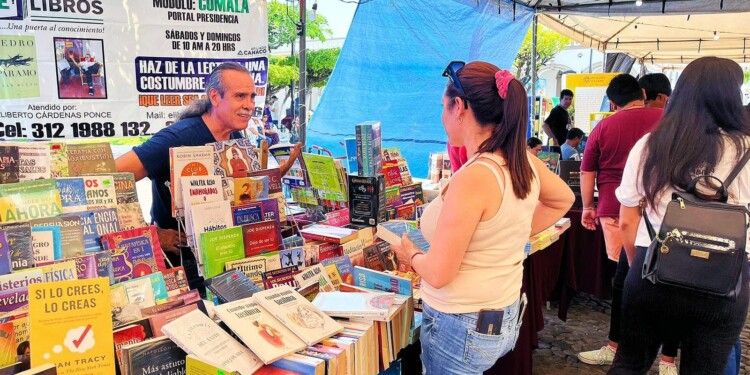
604	159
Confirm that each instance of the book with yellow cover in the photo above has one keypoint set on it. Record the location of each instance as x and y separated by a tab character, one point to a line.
197	366
24	201
7	344
71	326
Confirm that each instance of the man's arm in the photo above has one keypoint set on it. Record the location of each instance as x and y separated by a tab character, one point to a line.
548	130
131	163
588	218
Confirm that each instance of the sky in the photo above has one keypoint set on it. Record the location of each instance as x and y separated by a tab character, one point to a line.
338	13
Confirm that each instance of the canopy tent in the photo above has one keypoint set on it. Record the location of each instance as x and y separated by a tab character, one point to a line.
658	31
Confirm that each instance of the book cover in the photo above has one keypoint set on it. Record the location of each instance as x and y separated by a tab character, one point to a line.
435	166
198	335
60	271
72	194
7	344
390	261
301	364
198	366
275	185
91	241
334	276
344	266
315	274
29	200
71	234
46	244
90	158
199	189
317	251
328	233
140	291
191	296
252	267
406	211
294	257
58	159
125	189
338	218
21	72
265	335
298	314
231	286
323	175
355	251
354	305
393	196
220	247
33	160
187	161
369	157
296	175
156	322
262	236
235	158
124	336
9	166
373	258
281	276
5	267
73	338
19	245
248	189
403	167
100	191
247	213
351	155
412	194
367	202
371	279
392	232
157	356
271	209
176	281
130	216
392	175
113	240
106	221
207	217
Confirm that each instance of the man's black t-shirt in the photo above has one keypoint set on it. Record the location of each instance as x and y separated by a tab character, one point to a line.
154	154
558	122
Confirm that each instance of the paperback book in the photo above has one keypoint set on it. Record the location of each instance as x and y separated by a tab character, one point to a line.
90	158
9	167
235	158
187	161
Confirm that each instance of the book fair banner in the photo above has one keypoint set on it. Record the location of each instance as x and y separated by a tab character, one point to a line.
94	68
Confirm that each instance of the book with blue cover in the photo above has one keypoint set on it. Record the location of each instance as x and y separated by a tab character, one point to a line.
46	242
4	255
371	279
393	230
247	214
72	194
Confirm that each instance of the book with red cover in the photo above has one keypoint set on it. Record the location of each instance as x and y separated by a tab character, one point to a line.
262	236
282	276
392	175
191	296
131	334
270	370
159	320
274	179
406	211
320	232
112	241
176	281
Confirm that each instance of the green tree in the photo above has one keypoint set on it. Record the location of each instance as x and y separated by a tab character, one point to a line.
282	70
282	25
549	43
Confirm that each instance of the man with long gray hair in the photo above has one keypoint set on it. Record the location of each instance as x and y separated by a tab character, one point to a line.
229	105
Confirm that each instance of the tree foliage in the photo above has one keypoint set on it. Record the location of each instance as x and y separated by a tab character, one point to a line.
284	69
549	43
282	25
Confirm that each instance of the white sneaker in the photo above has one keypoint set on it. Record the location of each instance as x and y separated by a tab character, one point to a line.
603	356
668	369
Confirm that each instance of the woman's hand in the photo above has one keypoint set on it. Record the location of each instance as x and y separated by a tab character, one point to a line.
405	251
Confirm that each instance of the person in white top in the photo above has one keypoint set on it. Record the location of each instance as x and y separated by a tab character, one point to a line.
479	227
704	131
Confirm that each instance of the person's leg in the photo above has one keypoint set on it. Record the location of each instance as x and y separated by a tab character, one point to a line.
612	237
733	362
639	336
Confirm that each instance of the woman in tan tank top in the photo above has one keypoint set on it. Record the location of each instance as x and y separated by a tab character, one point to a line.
480	224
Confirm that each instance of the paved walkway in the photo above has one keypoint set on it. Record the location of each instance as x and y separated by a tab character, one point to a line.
586	329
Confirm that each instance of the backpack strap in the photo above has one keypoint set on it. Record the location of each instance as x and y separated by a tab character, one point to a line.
722	193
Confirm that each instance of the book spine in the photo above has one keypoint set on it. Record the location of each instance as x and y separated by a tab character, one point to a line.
320	237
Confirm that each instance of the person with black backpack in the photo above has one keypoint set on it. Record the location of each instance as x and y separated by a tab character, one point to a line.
688	278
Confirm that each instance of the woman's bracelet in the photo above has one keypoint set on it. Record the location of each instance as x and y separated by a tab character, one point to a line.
589	208
411	259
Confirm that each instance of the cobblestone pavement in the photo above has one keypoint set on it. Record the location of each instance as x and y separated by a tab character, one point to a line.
586	329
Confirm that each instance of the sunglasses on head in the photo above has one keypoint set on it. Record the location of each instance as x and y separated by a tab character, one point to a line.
451	71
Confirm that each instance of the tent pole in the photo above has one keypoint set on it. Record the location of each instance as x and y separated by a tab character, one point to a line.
534	115
302	73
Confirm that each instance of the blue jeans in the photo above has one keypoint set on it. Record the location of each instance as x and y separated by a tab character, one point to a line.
451	345
733	364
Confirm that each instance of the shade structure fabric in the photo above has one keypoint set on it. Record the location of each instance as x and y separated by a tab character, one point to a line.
658	32
390	69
